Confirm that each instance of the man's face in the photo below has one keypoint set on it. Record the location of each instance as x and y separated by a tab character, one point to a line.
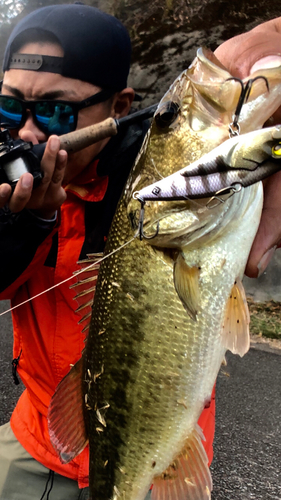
36	85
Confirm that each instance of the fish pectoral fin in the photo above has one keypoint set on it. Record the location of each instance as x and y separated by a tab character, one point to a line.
65	416
186	281
188	477
235	332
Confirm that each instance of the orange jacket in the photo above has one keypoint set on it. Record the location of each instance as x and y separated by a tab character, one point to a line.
47	337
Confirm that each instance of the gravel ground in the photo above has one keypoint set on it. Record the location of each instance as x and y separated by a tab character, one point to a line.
248	435
9	392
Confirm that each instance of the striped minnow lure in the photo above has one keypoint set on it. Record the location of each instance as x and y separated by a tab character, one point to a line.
238	162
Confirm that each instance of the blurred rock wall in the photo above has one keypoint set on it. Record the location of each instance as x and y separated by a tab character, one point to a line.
165	41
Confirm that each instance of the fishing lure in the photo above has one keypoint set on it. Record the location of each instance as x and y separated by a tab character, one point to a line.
238	162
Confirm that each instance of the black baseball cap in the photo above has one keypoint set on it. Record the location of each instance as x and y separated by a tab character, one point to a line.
97	47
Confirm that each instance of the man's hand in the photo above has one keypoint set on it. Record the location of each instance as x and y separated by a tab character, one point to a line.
242	55
50	195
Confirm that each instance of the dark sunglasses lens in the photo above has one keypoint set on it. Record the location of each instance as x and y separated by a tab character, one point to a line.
54	117
10	112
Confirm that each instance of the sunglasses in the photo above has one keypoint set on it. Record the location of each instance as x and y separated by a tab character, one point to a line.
52	117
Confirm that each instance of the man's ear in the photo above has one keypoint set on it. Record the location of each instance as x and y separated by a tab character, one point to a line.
122	102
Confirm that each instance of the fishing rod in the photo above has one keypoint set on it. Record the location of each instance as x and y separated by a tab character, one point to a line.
18	156
79	139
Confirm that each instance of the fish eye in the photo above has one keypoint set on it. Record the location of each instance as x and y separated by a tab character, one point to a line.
276	150
167	114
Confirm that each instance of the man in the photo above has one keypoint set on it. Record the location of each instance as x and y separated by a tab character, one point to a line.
81	56
55	58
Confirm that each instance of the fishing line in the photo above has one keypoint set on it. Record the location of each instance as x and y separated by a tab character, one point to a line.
155	168
70	277
81	271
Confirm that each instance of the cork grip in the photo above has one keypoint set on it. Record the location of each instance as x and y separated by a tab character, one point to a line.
79	139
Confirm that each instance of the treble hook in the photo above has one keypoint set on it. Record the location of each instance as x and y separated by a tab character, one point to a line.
244	96
142	235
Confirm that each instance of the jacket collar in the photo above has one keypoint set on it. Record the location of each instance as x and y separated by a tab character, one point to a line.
88	186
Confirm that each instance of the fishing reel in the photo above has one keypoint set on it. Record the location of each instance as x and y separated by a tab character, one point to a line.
18	157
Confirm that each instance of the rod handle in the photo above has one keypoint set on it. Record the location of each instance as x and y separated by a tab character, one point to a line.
80	139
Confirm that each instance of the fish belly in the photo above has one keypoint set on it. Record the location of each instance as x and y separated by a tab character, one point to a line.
154	367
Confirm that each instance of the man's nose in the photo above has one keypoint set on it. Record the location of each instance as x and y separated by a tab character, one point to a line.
31	127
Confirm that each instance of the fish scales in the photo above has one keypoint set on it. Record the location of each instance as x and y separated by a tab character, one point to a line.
162	305
152	354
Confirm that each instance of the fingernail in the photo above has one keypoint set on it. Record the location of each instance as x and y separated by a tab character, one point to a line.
62	154
266	258
266	62
54	143
27	181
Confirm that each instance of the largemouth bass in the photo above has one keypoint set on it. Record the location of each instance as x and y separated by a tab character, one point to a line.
165	310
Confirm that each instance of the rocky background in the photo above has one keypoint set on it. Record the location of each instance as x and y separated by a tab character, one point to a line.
165	33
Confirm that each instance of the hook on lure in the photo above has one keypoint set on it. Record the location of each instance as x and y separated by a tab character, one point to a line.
234	127
141	233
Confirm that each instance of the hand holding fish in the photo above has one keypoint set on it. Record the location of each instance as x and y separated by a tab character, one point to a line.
243	55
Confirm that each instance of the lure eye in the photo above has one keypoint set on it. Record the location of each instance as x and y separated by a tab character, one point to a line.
167	114
276	150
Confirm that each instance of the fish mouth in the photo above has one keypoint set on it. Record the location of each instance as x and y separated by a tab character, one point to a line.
174	224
